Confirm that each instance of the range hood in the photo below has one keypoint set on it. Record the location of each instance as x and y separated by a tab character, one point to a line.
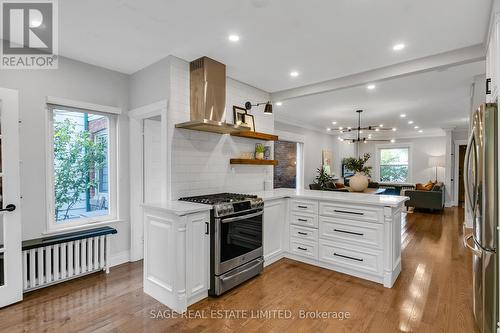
207	81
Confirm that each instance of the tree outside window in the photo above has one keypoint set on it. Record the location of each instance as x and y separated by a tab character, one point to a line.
80	152
393	165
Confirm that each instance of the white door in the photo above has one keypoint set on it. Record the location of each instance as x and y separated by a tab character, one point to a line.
10	218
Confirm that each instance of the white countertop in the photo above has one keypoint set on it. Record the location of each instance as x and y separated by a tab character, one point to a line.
179	208
361	198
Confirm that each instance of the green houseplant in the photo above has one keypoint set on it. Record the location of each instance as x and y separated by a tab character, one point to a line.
259	151
323	178
358	182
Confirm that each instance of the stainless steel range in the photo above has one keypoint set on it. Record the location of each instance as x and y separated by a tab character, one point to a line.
236	226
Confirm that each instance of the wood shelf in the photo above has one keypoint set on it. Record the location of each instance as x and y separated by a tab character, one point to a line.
256	135
252	161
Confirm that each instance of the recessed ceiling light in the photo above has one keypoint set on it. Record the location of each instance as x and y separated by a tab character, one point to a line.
328	129
234	38
349	128
370	86
410	122
398	47
341	128
420	131
279	103
394	129
294	74
416	127
334	123
381	125
392	140
377	129
402	115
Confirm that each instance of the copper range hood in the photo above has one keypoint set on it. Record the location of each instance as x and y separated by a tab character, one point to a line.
208	98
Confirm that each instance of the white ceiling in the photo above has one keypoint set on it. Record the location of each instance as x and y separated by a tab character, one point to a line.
433	100
320	39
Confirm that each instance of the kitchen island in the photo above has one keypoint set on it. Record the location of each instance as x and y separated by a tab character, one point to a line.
351	233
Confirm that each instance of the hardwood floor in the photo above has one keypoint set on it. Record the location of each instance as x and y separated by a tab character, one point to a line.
432	294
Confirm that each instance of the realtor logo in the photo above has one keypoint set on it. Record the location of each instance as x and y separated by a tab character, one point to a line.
29	34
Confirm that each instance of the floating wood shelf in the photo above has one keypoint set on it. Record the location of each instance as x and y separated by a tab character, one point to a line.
256	135
252	161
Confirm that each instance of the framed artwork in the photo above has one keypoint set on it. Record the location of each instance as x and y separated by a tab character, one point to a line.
327	161
250	121
239	115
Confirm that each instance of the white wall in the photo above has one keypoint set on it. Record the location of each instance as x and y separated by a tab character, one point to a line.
421	149
73	80
314	143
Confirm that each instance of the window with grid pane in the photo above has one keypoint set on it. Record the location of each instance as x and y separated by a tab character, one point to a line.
393	165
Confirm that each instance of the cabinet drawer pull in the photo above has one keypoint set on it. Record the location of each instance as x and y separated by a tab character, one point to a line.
302	220
347	257
488	90
302	206
301	248
207	228
302	233
349	232
347	212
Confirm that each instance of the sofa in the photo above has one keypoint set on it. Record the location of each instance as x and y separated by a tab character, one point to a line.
433	199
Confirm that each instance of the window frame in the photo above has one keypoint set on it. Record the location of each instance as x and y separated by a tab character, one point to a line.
378	150
112	215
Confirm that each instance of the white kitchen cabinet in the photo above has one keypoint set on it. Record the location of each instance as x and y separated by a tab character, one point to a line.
176	256
493	60
275	217
198	256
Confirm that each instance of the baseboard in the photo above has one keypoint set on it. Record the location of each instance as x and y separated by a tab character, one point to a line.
119	258
273	257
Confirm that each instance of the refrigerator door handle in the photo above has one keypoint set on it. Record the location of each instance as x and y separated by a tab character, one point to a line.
466	171
474	251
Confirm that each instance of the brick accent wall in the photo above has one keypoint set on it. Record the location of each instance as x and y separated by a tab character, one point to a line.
285	173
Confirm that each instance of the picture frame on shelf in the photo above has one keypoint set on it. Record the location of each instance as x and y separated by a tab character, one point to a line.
239	115
250	121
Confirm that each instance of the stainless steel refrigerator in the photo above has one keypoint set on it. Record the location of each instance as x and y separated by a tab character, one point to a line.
481	191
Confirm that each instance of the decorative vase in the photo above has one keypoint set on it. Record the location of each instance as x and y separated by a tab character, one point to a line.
358	182
259	156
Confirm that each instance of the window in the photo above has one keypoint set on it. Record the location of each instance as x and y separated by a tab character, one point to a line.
393	164
81	147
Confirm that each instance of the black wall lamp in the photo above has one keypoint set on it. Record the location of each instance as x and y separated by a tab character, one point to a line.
268	109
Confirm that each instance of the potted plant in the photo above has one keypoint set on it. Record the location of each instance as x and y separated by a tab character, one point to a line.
259	151
323	178
358	182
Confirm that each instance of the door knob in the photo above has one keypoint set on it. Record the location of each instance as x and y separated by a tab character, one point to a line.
9	208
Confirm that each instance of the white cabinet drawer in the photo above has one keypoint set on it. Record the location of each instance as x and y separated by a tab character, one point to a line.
350	257
349	231
304	248
304	219
304	233
305	206
356	212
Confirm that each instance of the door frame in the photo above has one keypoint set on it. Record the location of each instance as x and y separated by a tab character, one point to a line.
12	290
457	143
136	149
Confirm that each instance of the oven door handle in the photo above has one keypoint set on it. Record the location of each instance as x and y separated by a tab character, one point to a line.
257	263
239	218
